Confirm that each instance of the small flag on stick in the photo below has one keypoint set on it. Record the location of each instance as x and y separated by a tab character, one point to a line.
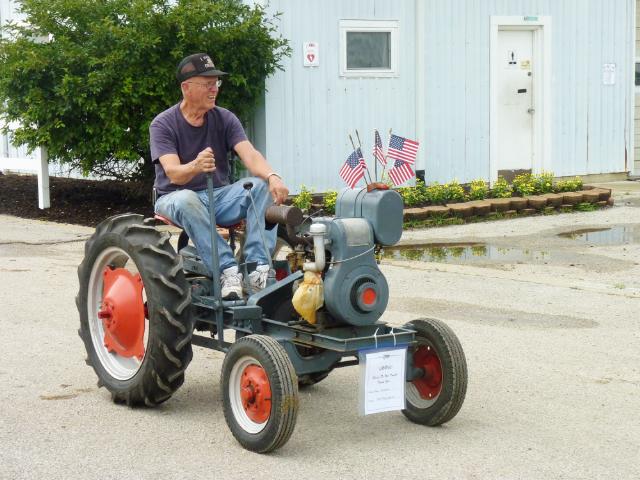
400	173
361	157
401	148
353	169
378	151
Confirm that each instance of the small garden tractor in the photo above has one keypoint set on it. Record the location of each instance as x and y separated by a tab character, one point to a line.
143	305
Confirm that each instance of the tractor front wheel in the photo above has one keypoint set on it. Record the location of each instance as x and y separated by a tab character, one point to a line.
435	396
134	306
260	393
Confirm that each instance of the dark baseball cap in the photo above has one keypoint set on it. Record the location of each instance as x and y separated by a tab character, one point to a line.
198	64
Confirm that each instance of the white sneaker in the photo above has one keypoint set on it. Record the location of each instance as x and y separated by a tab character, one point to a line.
258	278
231	283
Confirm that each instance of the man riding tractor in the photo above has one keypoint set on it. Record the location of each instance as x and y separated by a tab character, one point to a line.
191	140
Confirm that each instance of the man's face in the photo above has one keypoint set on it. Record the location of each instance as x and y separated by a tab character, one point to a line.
202	91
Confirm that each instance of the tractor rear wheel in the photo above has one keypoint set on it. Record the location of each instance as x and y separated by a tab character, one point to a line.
134	305
259	393
435	397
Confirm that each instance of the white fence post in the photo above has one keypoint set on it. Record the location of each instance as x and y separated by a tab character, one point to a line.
44	200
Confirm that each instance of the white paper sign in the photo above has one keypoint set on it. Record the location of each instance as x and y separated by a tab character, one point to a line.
609	74
310	51
382	380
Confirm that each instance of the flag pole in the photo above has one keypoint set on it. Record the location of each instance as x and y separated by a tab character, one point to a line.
385	158
375	160
354	149
365	163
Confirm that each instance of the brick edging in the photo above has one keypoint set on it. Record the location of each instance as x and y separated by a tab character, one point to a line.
527	205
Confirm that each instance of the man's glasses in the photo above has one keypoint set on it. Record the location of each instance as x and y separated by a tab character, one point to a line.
209	85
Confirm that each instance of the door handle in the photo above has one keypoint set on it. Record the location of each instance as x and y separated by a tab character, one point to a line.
531	111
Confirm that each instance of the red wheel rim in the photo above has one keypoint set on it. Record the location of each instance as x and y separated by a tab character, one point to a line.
255	392
429	385
123	312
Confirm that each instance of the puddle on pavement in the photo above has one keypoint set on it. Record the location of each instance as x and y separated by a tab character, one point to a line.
618	235
465	253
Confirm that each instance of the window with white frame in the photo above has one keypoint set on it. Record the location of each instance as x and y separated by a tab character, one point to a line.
368	48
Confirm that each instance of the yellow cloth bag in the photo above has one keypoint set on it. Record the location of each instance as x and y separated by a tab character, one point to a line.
309	296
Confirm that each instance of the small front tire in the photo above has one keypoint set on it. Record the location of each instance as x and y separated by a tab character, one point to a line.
259	393
437	396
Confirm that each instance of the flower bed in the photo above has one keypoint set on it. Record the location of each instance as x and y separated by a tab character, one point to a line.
438	204
565	201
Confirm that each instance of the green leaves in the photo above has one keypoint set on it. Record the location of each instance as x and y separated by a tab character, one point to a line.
89	93
304	199
478	189
524	184
329	202
501	189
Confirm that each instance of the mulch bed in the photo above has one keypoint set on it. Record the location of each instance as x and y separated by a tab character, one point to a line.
82	202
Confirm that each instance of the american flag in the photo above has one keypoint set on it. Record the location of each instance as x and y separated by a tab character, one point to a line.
361	157
352	170
401	148
378	152
400	173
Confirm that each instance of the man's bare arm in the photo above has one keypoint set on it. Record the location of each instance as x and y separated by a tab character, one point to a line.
179	173
259	167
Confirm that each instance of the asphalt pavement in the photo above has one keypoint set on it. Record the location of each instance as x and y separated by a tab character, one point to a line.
550	326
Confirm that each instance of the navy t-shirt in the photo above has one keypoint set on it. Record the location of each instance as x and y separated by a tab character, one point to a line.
172	134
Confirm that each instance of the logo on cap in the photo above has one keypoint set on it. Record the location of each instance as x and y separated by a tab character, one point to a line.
208	63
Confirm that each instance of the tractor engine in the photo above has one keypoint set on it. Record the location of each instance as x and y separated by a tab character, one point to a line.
355	291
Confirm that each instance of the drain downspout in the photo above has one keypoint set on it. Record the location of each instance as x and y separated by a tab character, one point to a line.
420	76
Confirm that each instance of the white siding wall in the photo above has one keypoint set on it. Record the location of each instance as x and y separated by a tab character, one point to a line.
590	122
308	112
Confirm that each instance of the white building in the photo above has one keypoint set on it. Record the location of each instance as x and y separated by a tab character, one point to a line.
487	87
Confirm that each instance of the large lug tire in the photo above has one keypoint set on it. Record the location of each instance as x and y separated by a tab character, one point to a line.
260	393
134	305
436	397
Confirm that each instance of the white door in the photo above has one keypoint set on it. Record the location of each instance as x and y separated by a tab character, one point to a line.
515	99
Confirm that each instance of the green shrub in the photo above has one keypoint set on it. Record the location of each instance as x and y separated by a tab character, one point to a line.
524	184
454	191
413	196
329	202
421	190
501	189
89	92
303	199
571	185
437	194
478	190
543	182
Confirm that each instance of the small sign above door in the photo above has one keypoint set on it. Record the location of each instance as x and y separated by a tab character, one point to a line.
311	58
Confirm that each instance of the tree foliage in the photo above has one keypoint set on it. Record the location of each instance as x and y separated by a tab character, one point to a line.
85	79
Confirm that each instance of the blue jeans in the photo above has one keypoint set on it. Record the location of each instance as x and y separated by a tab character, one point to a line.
189	209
